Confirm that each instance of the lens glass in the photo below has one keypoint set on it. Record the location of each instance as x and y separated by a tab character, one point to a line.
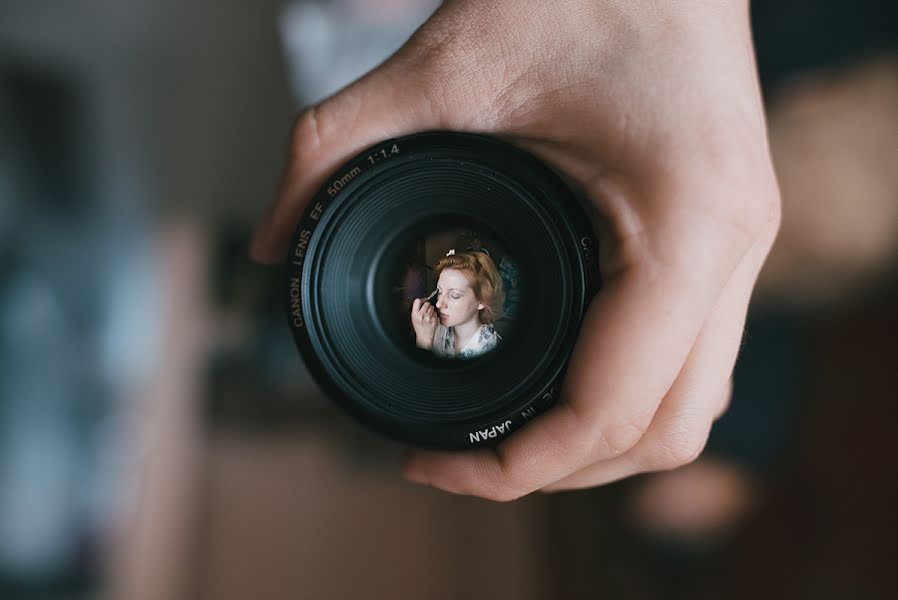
455	295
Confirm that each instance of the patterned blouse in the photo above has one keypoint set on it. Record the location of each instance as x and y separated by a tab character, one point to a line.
481	342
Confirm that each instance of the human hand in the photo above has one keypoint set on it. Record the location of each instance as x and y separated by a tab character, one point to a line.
424	320
653	108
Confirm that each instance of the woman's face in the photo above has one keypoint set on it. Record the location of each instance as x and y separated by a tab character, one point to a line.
456	302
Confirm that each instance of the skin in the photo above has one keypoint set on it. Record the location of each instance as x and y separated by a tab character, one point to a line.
457	307
654	109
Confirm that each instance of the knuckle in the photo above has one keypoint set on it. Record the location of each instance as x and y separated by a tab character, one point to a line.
680	447
734	188
758	213
772	215
306	138
495	488
512	479
616	440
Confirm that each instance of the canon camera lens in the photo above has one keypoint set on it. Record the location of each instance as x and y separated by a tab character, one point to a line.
436	284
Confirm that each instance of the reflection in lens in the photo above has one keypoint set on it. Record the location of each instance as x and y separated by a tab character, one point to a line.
458	293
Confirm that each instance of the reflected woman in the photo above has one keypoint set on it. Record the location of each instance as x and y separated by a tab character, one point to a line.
469	300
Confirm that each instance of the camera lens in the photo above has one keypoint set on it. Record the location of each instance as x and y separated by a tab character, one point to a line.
436	284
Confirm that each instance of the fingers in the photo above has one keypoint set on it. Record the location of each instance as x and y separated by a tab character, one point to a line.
429	315
416	318
423	319
633	344
676	438
423	311
603	413
698	397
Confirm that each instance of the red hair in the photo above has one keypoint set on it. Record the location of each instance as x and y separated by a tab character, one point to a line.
484	278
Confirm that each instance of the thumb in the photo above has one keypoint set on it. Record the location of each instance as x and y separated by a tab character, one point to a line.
385	103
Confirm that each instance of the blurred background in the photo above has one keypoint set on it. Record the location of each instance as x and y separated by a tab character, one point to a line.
160	439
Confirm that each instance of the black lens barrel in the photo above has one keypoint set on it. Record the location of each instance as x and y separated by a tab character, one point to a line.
344	255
